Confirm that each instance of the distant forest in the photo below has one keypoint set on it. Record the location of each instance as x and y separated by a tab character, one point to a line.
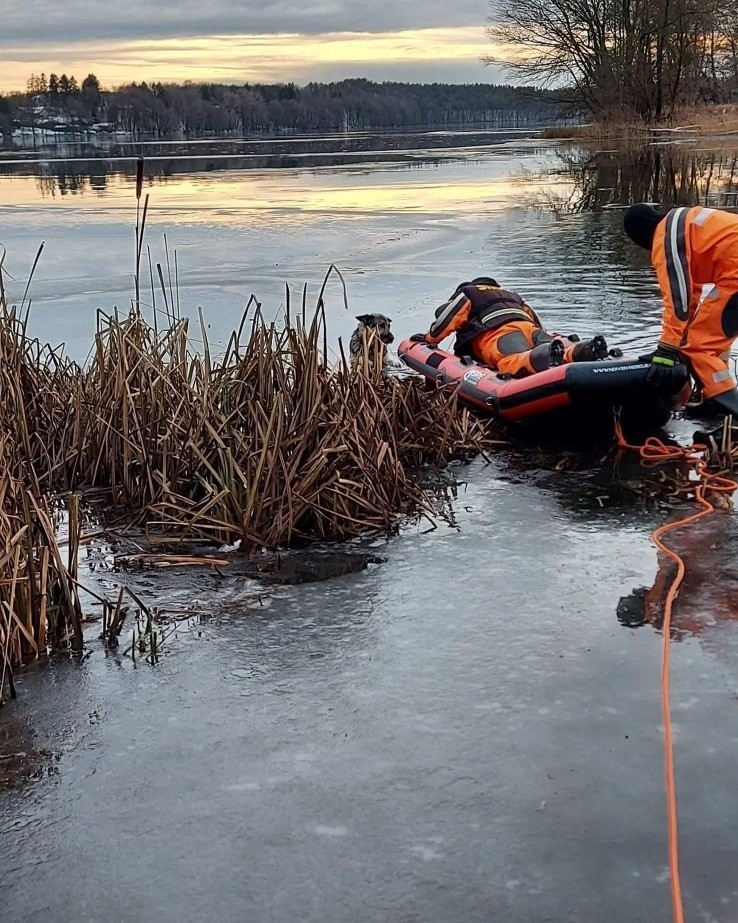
166	110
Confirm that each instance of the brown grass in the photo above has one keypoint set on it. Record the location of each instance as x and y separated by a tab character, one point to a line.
272	443
39	605
703	121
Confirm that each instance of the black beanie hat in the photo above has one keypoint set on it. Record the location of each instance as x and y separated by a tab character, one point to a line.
480	280
640	224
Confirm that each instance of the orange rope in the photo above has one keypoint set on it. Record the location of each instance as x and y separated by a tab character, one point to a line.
653	451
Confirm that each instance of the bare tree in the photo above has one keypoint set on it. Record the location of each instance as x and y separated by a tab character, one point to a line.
620	58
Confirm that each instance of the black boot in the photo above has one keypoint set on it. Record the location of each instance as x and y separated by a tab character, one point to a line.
722	405
546	356
556	354
591	351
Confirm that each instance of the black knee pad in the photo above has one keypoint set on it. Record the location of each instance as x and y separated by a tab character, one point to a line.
513	342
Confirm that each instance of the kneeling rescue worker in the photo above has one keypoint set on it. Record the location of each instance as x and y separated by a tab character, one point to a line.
692	247
496	327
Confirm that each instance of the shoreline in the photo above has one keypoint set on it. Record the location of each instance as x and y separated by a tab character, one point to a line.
714	122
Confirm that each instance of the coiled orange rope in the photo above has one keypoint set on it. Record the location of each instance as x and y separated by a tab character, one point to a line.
654	451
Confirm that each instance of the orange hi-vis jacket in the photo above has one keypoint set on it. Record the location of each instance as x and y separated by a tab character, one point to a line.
693	247
496	327
476	309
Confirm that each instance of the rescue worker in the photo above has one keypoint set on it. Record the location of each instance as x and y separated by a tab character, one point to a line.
496	327
692	247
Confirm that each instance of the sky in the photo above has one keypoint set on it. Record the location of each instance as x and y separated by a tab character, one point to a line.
238	41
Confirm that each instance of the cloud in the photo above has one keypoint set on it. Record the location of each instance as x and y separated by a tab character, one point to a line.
33	21
422	55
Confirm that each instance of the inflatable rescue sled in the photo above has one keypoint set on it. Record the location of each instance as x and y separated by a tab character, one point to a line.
585	388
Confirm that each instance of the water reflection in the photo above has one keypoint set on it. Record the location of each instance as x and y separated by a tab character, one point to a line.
67	181
584	179
75	169
20	758
80	177
355	141
708	594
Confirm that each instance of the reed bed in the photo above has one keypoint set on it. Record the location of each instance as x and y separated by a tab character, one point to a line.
39	603
274	443
271	444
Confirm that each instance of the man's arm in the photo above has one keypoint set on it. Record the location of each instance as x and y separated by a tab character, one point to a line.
671	262
450	317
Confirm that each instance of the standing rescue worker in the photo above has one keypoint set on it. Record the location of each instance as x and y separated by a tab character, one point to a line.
692	247
498	328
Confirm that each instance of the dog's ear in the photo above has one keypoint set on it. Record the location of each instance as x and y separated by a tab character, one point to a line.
364	318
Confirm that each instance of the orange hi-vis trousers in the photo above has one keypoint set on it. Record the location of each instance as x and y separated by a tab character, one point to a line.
518	348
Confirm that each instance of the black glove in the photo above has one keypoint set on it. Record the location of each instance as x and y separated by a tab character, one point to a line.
664	361
418	338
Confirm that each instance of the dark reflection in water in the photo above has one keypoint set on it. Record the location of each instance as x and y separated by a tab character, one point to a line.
594	487
20	759
592	180
325	143
708	596
65	180
75	169
79	178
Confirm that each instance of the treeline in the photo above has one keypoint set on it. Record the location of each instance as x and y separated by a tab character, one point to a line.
162	110
624	60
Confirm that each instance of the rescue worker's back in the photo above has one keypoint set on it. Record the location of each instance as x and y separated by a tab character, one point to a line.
496	327
690	248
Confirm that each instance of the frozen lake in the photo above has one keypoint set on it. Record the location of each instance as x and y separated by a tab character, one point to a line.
466	732
405	218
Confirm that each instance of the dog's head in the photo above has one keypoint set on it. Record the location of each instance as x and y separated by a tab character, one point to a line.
379	323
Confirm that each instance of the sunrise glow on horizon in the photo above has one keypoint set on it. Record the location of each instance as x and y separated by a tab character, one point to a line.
414	54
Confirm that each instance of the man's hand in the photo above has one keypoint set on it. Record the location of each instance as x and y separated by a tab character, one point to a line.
418	338
664	361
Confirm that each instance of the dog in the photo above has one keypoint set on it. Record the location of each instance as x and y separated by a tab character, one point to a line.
374	330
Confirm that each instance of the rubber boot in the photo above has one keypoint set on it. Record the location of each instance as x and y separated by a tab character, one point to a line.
546	356
556	354
590	351
722	405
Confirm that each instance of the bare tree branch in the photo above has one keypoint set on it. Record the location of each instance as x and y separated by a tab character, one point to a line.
621	58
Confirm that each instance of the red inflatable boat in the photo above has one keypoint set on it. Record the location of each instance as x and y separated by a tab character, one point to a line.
586	388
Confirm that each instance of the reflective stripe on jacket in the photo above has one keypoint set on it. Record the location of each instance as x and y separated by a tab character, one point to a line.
477	309
692	247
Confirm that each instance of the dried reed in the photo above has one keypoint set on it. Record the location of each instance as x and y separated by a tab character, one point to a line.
270	444
39	604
